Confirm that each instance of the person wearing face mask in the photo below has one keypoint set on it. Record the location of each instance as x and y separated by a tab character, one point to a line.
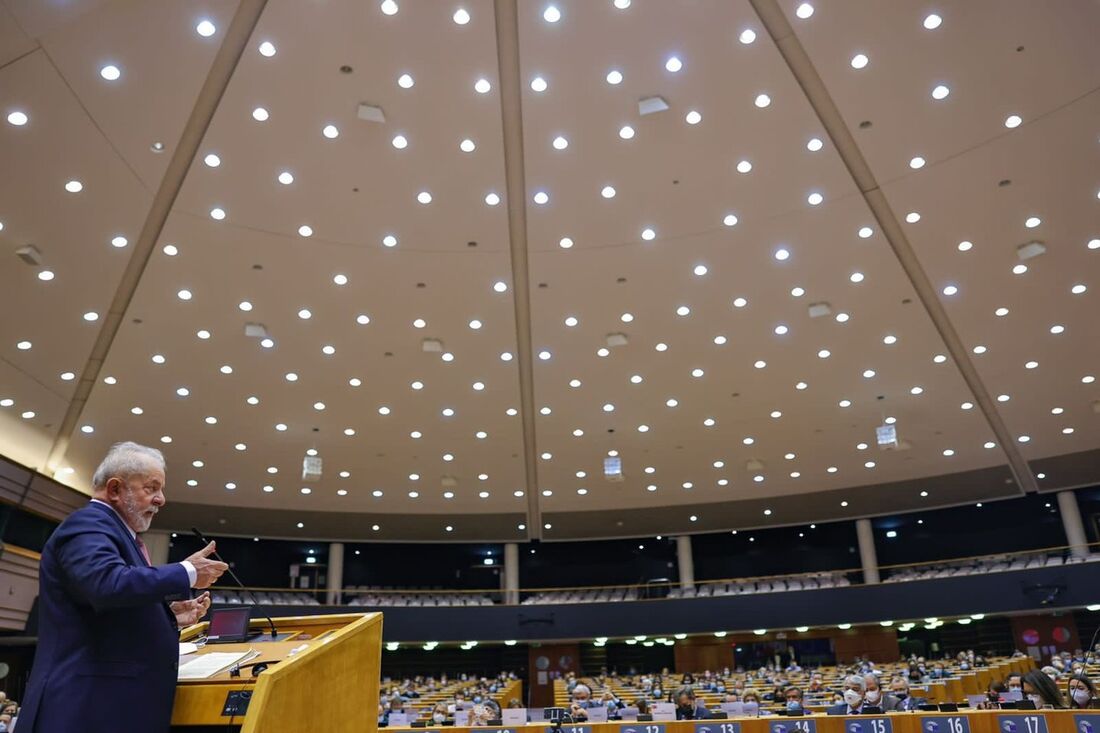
852	691
1014	682
1082	693
793	696
1040	689
938	672
899	688
582	700
439	713
687	708
874	696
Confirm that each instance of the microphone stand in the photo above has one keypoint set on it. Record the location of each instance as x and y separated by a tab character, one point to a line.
255	602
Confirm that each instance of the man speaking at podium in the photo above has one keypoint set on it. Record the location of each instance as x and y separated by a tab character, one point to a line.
108	640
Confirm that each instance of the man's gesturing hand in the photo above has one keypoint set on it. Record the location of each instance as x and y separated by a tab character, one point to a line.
189	612
206	570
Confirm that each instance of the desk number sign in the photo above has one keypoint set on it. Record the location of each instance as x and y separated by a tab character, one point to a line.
720	727
948	724
644	728
576	729
1035	723
869	725
1086	723
794	725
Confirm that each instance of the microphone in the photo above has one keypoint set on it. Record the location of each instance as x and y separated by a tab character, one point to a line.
255	602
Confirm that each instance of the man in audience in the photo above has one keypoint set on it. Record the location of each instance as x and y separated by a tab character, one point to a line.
874	696
1014	682
853	690
687	708
581	701
817	683
899	688
793	696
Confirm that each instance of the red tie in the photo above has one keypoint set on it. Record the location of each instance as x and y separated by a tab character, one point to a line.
144	551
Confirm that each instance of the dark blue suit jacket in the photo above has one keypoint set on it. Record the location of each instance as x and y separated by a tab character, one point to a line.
108	652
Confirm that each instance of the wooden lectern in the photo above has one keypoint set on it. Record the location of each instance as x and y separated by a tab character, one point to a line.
323	676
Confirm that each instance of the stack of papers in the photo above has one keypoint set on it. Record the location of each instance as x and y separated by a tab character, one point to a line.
207	665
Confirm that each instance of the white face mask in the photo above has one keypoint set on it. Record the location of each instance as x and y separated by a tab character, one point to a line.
852	697
873	696
1081	696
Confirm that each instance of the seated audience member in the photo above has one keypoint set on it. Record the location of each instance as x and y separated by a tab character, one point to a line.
992	697
874	696
731	697
687	679
643	706
899	688
793	696
852	693
938	672
687	708
581	701
817	683
1014	682
515	704
5	722
439	713
608	700
750	697
1052	672
1040	689
1080	690
481	714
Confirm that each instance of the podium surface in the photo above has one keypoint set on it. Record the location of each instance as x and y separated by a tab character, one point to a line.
322	669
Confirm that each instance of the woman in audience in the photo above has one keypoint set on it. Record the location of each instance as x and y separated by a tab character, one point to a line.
439	713
1080	690
1040	689
515	704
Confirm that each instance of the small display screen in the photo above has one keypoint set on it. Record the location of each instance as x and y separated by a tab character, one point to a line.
229	623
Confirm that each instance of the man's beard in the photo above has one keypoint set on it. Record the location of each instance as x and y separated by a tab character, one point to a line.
138	521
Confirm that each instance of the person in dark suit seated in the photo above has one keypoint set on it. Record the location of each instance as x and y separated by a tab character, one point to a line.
687	707
874	696
899	688
1081	693
852	690
793	696
108	639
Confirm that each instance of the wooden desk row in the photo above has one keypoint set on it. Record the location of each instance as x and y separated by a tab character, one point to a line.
978	721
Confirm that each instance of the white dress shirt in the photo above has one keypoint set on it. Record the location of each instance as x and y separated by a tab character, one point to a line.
192	574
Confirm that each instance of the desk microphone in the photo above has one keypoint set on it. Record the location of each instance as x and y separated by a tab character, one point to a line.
255	602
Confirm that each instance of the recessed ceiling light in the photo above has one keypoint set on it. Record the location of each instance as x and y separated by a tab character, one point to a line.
225	369
950	290
614	77
814	144
110	72
541	198
1032	221
560	143
856	277
74	186
916	162
260	114
916	390
912	217
939	358
648	235
267	48
1013	121
824	354
940	92
980	349
842	317
814	198
492	199
1057	329
967	405
45	275
400	142
782	254
482	86
461	16
217	214
932	21
859	61
747	36
67	376
608	192
660	347
868	373
804	11
693	117
845	403
18	118
889	339
538	84
801	386
744	166
674	64
1078	289
405	81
